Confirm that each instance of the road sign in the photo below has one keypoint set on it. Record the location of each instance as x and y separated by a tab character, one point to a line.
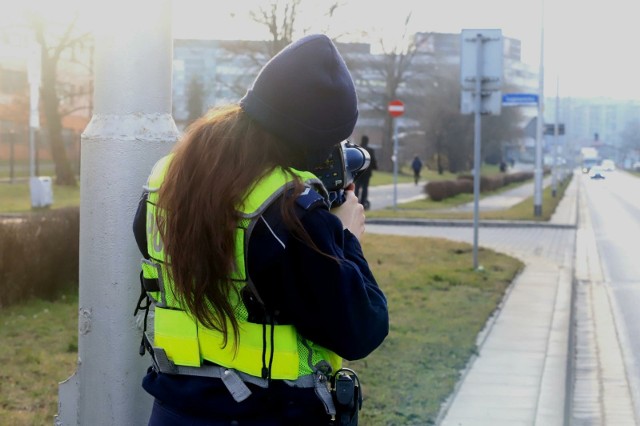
491	66
519	99
489	104
395	108
481	61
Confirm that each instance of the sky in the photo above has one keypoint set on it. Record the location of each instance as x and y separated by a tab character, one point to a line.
590	46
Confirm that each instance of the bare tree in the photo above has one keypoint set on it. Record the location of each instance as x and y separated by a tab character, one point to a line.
448	132
280	19
53	50
382	78
498	129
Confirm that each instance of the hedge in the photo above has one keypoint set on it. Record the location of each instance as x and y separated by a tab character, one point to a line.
38	255
439	190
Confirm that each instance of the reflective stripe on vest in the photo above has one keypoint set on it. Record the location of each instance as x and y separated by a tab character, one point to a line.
188	343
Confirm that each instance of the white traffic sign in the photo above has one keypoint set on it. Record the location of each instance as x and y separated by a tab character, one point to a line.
491	70
519	99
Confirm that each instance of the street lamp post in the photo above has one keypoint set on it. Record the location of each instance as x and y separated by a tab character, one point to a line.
131	128
537	194
556	132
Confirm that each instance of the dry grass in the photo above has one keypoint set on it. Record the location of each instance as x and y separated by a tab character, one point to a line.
16	197
40	350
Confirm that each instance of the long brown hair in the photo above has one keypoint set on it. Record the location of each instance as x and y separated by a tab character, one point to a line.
215	164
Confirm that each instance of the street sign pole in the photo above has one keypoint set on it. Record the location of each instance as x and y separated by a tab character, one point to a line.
395	163
395	109
481	79
554	172
476	149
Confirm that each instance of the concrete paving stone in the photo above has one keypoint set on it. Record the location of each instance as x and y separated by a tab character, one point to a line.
472	421
557	364
488	404
520	346
557	348
499	390
510	363
537	312
524	314
515	319
549	419
475	378
479	410
620	421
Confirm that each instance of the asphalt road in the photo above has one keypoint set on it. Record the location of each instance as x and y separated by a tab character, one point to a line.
614	205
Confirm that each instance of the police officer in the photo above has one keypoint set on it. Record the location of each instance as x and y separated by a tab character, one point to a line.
260	289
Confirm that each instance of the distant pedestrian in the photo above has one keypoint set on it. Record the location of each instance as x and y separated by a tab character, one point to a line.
416	165
362	183
503	166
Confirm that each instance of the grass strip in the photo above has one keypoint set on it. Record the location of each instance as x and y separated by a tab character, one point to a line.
428	209
40	341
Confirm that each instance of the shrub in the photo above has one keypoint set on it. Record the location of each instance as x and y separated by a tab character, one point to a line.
436	190
464	186
38	255
439	190
517	177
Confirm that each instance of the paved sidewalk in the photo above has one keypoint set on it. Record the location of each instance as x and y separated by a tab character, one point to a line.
520	374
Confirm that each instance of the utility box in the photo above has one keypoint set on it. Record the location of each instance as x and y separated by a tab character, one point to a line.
41	191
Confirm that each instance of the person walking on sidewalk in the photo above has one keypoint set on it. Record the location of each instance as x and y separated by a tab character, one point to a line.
362	183
416	165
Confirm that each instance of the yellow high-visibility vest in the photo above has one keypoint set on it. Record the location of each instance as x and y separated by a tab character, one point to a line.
186	341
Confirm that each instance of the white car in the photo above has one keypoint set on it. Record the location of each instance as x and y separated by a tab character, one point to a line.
608	165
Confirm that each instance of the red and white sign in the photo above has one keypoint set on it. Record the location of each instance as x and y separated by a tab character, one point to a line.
395	108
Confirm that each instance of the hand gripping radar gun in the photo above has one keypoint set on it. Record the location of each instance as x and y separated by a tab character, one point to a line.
346	162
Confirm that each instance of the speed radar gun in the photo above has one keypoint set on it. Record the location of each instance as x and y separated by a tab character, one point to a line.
346	162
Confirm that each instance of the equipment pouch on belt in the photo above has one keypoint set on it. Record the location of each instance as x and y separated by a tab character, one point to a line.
347	396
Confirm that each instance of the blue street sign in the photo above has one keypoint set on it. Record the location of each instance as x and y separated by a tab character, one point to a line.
519	99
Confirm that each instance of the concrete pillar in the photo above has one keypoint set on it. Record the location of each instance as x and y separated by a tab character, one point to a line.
130	129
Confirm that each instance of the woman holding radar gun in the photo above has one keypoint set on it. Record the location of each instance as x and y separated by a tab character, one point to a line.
253	265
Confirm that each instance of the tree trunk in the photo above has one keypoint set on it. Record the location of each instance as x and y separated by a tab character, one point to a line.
53	120
439	155
385	162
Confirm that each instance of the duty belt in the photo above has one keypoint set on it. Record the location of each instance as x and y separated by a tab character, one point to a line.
236	381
